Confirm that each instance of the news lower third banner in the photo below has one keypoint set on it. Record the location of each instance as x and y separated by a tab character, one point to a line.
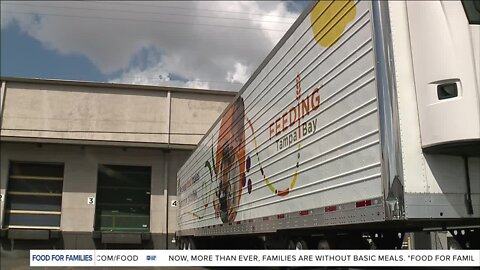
257	258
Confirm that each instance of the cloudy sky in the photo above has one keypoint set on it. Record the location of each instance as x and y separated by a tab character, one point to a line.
201	44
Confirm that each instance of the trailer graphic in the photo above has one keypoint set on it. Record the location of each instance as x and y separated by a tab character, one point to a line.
355	127
228	174
326	11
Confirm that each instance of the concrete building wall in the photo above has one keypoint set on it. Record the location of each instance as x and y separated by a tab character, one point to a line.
82	125
74	112
106	113
192	115
80	181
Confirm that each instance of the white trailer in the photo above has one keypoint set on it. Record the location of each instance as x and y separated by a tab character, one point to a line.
364	121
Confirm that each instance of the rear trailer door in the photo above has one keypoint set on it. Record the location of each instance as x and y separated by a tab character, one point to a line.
300	146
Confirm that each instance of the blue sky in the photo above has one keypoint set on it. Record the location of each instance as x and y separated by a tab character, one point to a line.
23	56
192	44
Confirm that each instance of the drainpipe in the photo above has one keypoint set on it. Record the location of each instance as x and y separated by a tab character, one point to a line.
165	196
3	92
165	169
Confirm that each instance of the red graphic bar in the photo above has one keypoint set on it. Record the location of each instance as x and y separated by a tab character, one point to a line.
332	208
363	203
304	213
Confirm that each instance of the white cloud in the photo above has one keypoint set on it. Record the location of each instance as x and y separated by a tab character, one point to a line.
196	41
239	75
198	84
158	75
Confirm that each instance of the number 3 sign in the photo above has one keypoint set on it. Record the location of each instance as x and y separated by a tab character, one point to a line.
91	200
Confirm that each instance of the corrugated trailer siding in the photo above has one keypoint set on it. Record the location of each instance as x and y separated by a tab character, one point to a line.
336	157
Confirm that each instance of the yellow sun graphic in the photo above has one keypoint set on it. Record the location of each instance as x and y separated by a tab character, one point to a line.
329	19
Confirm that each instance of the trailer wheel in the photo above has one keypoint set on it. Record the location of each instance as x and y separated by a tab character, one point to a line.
181	243
190	244
291	245
323	244
300	245
453	244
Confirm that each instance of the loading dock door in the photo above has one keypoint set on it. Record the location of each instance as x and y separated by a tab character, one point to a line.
34	196
123	199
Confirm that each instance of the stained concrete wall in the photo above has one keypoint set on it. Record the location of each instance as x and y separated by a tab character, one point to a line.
109	113
82	125
192	115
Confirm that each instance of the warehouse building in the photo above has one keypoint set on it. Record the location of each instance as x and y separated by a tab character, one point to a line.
93	165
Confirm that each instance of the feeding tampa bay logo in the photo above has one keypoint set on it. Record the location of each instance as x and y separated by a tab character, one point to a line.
287	129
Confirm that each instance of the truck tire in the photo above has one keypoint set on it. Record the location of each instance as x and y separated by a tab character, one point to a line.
181	243
323	244
190	244
300	244
453	244
291	245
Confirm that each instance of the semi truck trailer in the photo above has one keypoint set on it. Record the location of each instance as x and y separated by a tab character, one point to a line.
361	125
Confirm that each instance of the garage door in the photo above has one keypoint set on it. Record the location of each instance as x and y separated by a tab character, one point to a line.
34	196
123	199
